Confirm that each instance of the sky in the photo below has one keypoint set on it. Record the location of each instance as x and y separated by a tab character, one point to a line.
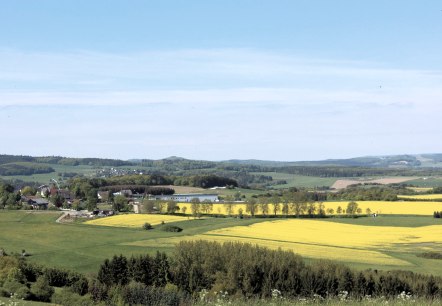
284	80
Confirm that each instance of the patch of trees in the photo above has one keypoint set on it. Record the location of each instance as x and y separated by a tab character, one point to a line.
178	164
24	169
171	228
33	282
430	255
139	180
9	199
141	189
205	181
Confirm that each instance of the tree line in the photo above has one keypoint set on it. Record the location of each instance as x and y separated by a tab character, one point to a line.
24	169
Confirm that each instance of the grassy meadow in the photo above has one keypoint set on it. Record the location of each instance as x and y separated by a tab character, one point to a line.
294	180
84	247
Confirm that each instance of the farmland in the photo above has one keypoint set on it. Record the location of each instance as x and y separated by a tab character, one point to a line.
424	197
358	245
381	207
362	242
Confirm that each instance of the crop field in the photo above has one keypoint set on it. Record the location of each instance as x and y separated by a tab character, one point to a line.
350	243
135	220
381	207
422	197
385	242
420	189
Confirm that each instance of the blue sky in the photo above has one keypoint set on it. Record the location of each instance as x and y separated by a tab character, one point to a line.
214	80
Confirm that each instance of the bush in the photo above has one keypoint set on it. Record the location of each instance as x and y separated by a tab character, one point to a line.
41	289
66	297
171	228
137	293
430	255
147	226
23	293
4	293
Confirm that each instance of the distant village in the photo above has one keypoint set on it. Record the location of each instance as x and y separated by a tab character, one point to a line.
41	200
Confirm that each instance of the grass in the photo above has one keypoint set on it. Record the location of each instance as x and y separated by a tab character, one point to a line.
15	302
83	247
45	178
299	180
135	221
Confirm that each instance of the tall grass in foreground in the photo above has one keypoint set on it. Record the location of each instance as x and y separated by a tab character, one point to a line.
222	298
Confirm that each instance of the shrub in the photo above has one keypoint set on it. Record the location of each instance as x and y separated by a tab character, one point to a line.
4	293
171	228
147	226
430	255
66	297
41	289
23	293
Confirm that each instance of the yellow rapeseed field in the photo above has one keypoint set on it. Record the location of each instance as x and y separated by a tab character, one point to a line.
322	239
135	220
381	207
397	208
422	197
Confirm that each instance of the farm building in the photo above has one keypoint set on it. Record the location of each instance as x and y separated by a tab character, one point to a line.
187	197
35	202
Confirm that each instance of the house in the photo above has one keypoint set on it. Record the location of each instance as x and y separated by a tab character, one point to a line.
187	197
35	202
44	190
61	192
103	196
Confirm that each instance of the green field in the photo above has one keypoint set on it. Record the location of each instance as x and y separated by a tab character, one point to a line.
84	247
426	182
294	180
45	178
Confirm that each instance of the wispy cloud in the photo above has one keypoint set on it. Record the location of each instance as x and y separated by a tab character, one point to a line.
222	76
224	99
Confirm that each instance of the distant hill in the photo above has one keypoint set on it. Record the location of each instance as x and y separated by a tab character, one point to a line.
391	161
